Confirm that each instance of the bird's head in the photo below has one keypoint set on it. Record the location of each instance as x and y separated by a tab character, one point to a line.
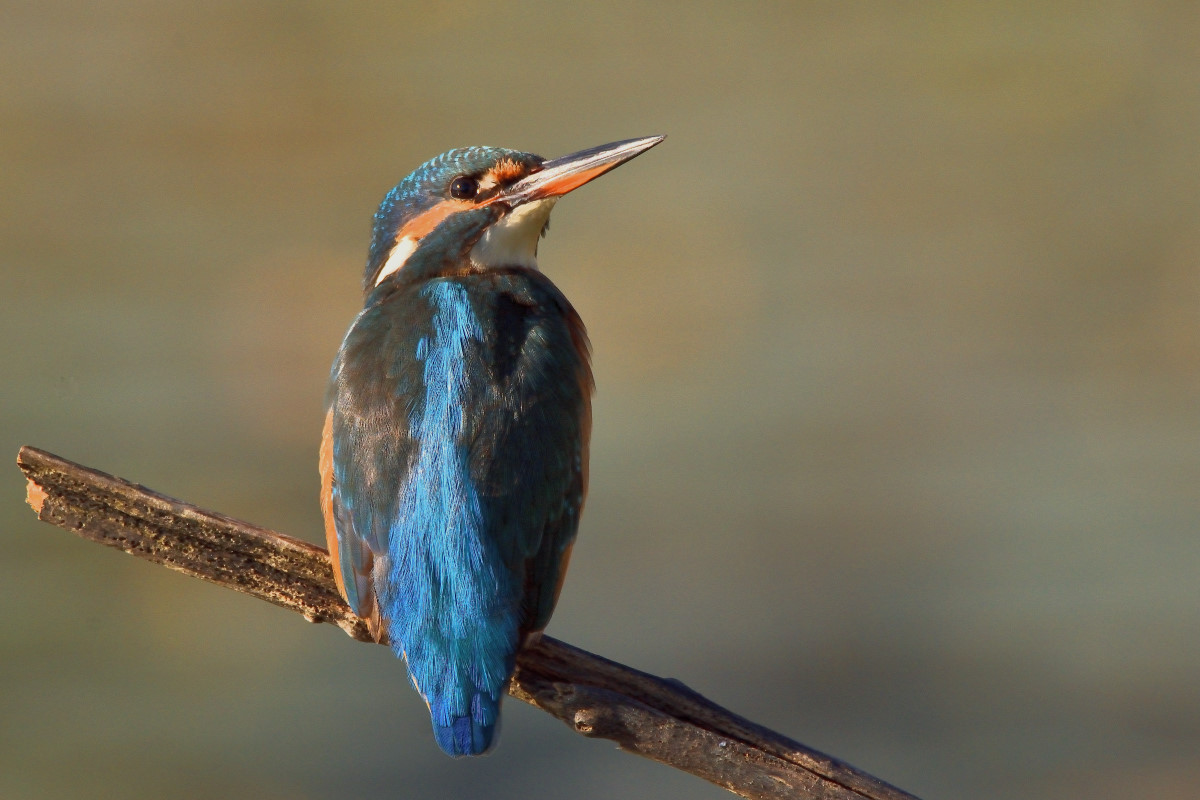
487	205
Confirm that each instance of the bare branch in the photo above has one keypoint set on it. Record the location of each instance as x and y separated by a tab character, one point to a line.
658	718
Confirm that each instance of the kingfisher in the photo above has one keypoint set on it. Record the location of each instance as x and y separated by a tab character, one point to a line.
454	457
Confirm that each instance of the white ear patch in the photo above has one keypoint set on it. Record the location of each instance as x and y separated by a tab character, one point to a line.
404	248
512	240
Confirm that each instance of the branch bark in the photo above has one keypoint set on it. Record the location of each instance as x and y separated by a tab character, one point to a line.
658	718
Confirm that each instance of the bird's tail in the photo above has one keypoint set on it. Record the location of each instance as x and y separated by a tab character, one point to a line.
465	734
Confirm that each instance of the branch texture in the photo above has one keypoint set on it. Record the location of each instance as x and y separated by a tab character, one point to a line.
658	718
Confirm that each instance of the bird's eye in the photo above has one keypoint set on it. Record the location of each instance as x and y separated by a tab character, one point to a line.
463	187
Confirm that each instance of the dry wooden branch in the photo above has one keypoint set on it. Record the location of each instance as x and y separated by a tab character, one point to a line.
658	718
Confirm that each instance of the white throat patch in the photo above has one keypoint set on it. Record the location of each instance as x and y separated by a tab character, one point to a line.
512	241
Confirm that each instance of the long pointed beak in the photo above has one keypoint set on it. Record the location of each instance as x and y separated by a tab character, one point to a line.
561	175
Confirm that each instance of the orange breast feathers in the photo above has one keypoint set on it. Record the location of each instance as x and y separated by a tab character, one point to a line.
326	466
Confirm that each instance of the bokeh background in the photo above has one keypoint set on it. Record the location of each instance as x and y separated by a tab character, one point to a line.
897	338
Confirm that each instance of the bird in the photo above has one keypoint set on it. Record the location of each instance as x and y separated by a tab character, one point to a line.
454	454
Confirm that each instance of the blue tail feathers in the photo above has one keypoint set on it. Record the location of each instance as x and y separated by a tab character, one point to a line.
465	735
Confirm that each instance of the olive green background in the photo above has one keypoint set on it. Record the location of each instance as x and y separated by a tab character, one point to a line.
897	339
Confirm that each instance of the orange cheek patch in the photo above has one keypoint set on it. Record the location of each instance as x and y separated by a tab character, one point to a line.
420	227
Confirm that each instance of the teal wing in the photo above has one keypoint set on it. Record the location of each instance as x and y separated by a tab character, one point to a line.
529	458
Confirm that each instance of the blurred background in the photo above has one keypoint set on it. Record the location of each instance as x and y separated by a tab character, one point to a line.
897	340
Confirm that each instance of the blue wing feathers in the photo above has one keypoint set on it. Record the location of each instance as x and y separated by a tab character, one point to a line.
460	412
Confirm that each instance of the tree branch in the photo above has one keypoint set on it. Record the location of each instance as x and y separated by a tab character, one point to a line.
658	718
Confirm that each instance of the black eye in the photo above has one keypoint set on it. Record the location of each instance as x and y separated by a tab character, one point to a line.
463	187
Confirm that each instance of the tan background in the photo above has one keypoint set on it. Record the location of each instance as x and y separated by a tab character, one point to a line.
897	340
